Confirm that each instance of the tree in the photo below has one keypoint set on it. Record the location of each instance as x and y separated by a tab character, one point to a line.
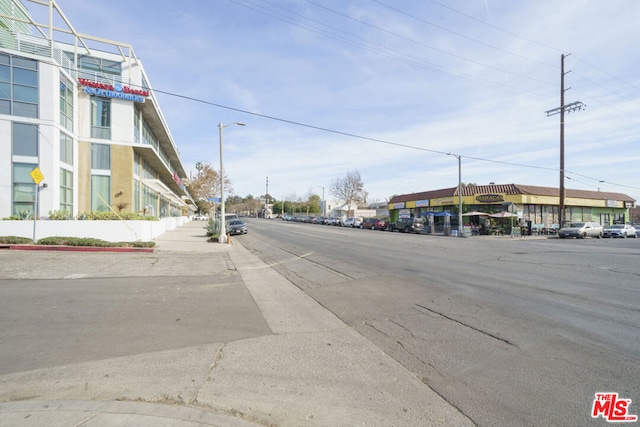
206	185
349	189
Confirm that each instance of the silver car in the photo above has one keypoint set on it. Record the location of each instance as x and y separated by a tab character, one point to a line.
619	230
580	230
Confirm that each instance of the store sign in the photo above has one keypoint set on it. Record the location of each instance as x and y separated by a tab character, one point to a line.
398	205
113	91
422	203
490	198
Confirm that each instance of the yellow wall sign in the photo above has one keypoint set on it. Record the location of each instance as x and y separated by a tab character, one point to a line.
36	175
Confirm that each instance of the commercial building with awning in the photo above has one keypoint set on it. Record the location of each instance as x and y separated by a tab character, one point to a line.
536	205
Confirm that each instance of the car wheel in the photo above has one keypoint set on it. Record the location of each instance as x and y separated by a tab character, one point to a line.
624	235
584	236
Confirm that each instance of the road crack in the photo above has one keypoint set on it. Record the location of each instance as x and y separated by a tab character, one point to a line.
504	340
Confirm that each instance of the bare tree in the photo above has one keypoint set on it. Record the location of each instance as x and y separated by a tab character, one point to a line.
349	189
206	184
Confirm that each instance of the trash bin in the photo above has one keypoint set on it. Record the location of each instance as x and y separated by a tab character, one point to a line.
454	233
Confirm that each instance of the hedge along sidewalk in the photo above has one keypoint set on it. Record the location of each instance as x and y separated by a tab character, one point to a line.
57	243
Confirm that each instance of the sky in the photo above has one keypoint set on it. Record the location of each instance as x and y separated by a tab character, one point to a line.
389	89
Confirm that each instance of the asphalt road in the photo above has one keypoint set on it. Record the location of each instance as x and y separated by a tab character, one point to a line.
510	331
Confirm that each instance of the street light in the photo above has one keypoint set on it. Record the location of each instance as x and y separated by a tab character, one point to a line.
459	157
223	231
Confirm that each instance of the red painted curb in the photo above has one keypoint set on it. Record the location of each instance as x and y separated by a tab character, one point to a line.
73	248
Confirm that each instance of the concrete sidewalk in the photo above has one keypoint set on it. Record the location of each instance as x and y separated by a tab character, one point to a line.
312	370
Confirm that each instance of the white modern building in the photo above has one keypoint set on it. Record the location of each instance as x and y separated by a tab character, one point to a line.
80	127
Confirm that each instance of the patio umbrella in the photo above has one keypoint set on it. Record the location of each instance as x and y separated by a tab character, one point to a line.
474	213
503	215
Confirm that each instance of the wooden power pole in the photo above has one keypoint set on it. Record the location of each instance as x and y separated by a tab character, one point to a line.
574	106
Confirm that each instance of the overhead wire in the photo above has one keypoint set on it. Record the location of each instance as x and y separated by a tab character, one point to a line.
386	142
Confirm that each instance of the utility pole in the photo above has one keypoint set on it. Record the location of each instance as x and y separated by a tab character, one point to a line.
574	106
266	200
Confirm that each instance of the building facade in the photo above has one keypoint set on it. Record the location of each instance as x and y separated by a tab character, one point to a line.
534	205
80	127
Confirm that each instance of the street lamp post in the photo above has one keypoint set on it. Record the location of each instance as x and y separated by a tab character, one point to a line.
223	225
460	228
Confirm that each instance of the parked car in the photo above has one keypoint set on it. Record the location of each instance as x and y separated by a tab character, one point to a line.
237	226
407	225
374	224
580	230
619	230
353	222
201	218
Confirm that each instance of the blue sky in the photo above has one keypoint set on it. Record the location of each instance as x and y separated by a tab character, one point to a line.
387	88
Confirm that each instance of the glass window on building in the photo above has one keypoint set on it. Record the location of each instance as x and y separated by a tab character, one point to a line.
66	190
66	148
100	157
618	218
5	85
99	65
149	200
136	196
100	177
66	104
24	190
137	119
164	207
100	192
100	117
24	138
18	86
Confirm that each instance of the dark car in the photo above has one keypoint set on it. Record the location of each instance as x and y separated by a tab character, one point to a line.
374	224
236	226
407	225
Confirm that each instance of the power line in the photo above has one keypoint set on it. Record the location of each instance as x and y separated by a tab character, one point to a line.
381	141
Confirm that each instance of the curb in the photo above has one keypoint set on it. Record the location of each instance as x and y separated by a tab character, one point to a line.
74	248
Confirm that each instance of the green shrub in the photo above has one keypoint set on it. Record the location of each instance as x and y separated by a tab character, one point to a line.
112	216
20	216
14	240
60	215
87	241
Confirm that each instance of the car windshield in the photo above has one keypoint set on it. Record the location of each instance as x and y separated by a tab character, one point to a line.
616	226
235	222
577	224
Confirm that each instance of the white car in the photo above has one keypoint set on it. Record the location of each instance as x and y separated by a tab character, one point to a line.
353	222
619	230
580	230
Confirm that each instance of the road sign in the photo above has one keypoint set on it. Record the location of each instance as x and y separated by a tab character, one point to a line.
214	199
36	175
